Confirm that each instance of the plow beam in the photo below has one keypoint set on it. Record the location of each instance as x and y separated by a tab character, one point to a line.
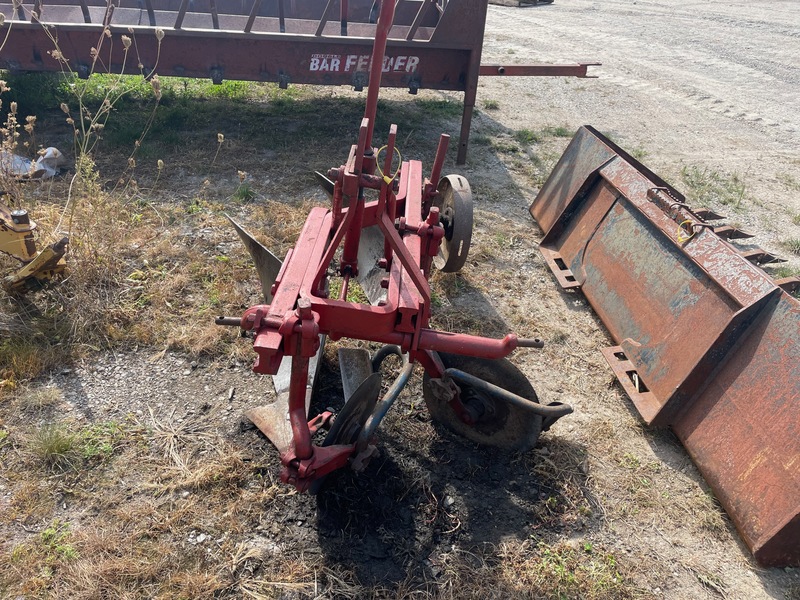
706	342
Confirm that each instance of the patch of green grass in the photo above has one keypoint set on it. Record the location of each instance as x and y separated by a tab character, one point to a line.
40	398
527	136
26	354
55	539
630	461
784	271
504	146
56	447
793	246
440	108
561	571
355	293
491	104
561	131
230	90
244	192
35	93
789	181
796	219
638	153
706	186
98	440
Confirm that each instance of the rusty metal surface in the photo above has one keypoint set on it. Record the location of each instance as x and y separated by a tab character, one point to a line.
609	235
743	432
706	342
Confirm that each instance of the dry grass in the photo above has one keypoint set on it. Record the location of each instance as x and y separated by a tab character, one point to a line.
152	264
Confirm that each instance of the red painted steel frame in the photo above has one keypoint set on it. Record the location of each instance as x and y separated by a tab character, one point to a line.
300	310
433	44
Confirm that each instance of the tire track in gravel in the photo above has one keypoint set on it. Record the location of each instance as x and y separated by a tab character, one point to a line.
685	70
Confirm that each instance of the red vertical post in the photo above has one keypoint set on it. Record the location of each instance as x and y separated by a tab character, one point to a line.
385	20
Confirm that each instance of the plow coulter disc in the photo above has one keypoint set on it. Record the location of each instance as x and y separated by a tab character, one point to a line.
501	424
351	419
455	214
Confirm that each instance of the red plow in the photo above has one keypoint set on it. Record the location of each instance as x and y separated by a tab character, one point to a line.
386	229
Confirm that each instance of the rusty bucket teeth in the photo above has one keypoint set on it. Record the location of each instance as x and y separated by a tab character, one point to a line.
267	264
759	256
707	214
788	284
728	232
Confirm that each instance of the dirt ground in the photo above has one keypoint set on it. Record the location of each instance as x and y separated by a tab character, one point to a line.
601	508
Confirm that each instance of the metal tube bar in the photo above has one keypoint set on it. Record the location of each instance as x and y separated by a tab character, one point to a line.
297	407
384	405
252	18
87	17
324	18
378	52
438	161
384	352
576	70
423	10
214	14
182	13
151	14
281	17
545	410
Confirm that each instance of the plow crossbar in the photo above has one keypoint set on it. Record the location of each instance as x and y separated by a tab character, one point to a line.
708	344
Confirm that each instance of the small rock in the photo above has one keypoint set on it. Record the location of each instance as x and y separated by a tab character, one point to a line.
185	494
193	364
448	502
201	538
187	372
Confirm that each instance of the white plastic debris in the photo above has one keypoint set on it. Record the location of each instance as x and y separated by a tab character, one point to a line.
49	164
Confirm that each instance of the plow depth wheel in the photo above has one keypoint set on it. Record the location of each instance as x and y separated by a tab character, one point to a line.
501	424
455	215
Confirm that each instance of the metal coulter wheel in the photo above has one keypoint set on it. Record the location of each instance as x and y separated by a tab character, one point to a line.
351	419
454	202
499	423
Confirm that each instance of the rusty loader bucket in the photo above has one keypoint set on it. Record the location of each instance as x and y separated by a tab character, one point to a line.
707	343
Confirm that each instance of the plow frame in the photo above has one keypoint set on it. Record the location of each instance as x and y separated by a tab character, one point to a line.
300	314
